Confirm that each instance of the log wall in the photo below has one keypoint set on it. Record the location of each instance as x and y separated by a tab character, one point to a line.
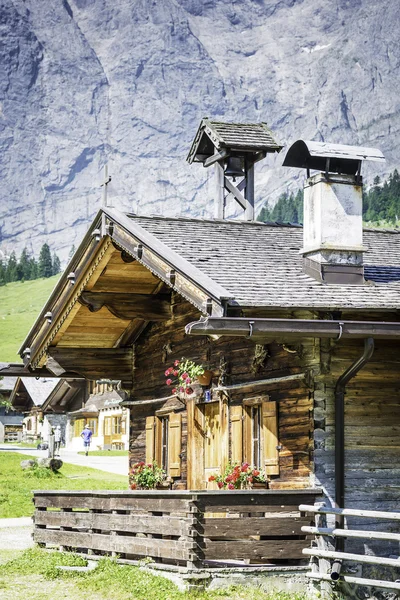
372	428
233	361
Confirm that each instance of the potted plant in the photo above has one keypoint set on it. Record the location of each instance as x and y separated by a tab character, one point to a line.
184	373
240	476
148	476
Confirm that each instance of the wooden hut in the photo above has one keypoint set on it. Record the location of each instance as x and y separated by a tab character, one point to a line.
302	339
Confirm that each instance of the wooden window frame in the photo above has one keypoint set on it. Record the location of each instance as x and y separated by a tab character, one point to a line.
164	441
269	442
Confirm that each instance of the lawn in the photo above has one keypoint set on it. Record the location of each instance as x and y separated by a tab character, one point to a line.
33	574
107	453
16	485
20	305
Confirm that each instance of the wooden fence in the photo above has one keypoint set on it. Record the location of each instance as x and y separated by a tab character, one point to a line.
177	528
322	570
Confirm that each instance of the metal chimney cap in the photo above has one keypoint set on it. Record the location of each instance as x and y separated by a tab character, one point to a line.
342	159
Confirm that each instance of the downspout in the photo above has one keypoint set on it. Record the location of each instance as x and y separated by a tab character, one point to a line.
340	390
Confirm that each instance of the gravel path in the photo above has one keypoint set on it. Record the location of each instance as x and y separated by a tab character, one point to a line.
110	464
16	534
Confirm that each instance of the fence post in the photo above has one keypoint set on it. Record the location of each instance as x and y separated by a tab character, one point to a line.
322	565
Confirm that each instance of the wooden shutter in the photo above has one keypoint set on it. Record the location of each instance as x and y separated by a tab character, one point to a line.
174	444
237	434
270	437
150	439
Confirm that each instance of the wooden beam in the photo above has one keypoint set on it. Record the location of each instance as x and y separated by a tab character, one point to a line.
96	363
129	306
20	370
236	192
211	160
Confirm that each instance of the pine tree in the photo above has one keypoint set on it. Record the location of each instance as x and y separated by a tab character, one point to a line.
45	264
3	270
71	252
56	264
11	271
24	267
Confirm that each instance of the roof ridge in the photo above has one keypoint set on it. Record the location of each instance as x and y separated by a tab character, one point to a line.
219	221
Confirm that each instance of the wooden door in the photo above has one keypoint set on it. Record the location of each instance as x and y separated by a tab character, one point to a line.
212	442
107	431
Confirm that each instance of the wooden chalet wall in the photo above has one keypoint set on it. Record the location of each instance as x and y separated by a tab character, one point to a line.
233	361
372	429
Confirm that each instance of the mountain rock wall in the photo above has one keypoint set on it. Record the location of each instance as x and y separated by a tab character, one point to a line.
90	82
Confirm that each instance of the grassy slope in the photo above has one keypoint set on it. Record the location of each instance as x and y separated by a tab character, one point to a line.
20	304
16	486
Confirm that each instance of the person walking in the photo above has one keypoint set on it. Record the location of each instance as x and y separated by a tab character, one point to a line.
57	440
86	435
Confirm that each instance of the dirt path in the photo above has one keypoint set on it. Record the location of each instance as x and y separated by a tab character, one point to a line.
16	534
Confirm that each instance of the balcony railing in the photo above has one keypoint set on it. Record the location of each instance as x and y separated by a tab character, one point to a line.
181	528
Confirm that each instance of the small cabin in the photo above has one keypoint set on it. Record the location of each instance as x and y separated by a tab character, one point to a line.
299	327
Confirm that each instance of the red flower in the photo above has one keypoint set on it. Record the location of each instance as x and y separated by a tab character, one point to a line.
228	478
173	390
231	486
176	363
188	380
181	389
189	390
175	373
256	473
211	478
185	375
169	381
220	484
168	371
133	486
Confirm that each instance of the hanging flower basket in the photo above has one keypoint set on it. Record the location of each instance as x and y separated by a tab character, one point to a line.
205	378
185	374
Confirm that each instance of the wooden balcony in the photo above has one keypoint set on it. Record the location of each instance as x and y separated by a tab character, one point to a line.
181	528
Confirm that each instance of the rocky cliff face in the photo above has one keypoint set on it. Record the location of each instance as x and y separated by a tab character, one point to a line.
89	82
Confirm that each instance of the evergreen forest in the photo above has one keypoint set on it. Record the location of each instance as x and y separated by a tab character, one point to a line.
27	267
381	204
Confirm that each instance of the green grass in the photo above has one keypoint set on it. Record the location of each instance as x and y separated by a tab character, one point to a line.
107	453
16	485
35	572
20	305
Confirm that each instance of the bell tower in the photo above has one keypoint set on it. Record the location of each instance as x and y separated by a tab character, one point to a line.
233	149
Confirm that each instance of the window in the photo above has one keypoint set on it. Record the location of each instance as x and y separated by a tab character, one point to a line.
164	428
255	416
163	442
93	425
254	434
78	427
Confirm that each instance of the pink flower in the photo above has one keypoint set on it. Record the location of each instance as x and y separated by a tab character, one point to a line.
231	486
176	363
256	473
169	381
175	373
184	375
168	372
220	484
188	380
181	389
173	390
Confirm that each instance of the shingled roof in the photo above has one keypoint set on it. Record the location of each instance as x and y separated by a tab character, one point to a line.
260	265
256	137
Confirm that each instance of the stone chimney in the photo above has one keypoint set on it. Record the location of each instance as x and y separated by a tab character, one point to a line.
333	230
233	149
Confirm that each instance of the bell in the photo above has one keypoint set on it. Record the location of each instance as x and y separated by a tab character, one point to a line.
234	167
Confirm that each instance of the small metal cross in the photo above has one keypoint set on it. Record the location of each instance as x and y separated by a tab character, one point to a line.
107	179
